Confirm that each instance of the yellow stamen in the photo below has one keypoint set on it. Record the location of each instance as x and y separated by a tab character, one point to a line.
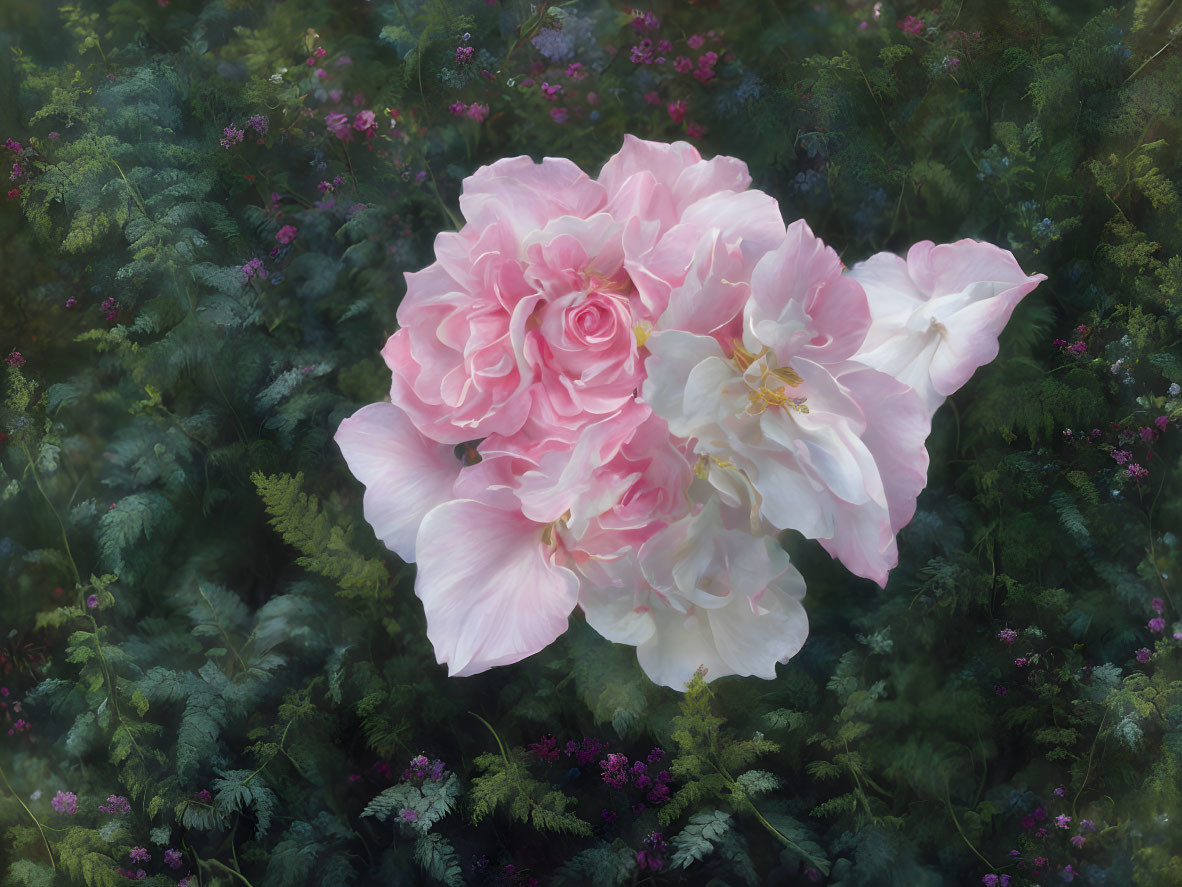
642	332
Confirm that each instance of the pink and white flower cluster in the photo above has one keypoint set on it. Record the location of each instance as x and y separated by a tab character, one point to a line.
613	393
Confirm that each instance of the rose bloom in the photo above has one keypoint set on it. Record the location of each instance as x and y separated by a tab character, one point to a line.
614	392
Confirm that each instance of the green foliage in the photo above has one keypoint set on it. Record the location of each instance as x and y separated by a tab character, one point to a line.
195	617
325	546
506	782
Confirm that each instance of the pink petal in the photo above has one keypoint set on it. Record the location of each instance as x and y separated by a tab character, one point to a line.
489	587
405	474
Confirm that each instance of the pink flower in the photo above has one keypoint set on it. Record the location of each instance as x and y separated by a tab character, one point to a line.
695	41
14	193
15	359
1007	635
911	25
613	393
338	125
286	234
937	314
652	98
682	65
457	108
1021	661
677	111
1063	820
1078	840
1158	605
559	115
366	122
695	130
576	71
1144	655
1162	422
1121	456
1157	625
477	112
1136	472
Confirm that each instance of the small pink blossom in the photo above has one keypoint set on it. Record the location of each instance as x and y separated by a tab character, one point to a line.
911	25
1136	472
1121	456
1063	820
338	125
695	41
682	65
366	122
677	111
287	234
15	359
1157	625
652	98
1007	635
1021	661
695	130
559	115
1158	605
1078	840
477	112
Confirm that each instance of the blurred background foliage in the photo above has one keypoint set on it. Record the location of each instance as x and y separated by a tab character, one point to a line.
211	673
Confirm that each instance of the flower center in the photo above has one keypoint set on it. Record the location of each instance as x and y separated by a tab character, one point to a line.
766	391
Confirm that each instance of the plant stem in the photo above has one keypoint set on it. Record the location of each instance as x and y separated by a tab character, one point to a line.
58	517
20	800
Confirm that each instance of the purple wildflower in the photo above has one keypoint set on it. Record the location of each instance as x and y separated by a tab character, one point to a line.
231	136
139	854
1143	655
1157	625
65	802
117	805
173	858
1007	635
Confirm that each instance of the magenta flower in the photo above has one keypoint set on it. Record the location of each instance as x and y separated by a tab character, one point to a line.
173	858
338	125
477	112
682	65
1136	472
559	115
464	54
1157	625
1158	605
1021	661
366	122
1143	655
406	814
1162	422
287	234
1078	840
139	854
677	110
1007	635
92	601
911	25
65	803
695	41
1063	820
15	359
